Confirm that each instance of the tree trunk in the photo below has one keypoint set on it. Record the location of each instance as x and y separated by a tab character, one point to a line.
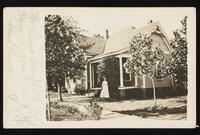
172	78
67	85
59	93
48	105
154	89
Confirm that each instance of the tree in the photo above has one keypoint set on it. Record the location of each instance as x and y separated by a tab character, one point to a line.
109	68
146	59
48	110
178	65
64	51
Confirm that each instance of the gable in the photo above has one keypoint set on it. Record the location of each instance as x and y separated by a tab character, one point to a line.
122	39
97	45
158	41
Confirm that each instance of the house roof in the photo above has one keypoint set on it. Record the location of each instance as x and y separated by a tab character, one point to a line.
122	39
119	42
97	45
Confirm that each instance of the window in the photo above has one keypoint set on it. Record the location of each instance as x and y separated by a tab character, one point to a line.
95	76
129	79
158	73
126	75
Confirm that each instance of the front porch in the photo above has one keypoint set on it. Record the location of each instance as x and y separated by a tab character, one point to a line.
126	80
127	84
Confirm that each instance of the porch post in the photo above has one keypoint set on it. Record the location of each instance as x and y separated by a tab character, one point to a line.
86	77
121	72
136	80
90	67
144	81
172	81
144	86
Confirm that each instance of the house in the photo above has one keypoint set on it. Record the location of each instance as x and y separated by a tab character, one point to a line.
97	48
118	45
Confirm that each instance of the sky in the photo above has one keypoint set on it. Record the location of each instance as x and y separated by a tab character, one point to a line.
97	20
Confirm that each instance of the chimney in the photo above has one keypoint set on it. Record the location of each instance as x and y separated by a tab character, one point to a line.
107	34
133	27
150	21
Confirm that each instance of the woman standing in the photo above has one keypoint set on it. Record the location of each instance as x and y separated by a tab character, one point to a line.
104	91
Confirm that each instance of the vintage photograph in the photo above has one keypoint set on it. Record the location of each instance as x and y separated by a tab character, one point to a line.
99	67
109	67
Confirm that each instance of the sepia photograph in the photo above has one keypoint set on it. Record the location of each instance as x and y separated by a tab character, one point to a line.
135	72
98	67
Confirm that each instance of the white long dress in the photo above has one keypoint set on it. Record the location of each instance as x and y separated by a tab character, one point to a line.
105	91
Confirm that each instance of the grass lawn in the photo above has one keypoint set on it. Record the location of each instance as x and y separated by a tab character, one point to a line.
174	108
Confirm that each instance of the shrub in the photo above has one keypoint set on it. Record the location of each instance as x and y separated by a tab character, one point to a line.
155	108
72	111
96	111
97	93
80	89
